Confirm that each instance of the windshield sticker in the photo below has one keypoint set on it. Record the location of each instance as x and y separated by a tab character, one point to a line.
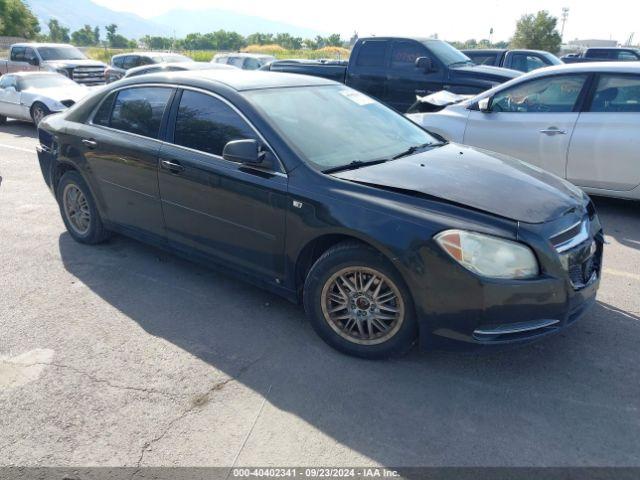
357	97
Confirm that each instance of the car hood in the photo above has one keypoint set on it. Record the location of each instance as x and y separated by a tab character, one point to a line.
485	72
478	179
74	63
60	93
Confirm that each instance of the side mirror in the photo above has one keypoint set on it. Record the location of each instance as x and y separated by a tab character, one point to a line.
425	63
244	151
484	105
34	61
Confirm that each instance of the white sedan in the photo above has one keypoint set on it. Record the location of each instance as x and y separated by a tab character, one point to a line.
580	121
31	96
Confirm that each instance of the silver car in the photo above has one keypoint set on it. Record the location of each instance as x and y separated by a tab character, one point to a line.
31	96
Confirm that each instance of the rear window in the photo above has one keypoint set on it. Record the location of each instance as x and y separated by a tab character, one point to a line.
482	58
140	110
372	53
17	54
594	53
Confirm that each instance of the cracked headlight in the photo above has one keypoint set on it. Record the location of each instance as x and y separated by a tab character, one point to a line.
489	256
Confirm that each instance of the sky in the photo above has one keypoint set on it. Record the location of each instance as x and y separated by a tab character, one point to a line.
451	20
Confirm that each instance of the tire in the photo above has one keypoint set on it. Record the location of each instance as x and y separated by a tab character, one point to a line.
38	112
3	119
78	210
355	328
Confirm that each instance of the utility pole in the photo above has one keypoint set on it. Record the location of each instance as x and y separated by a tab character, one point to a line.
563	19
490	35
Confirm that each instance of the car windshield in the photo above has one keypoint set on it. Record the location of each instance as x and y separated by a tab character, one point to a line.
334	126
446	53
45	81
60	53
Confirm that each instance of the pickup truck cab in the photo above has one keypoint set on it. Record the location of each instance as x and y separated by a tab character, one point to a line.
521	60
395	70
61	58
612	54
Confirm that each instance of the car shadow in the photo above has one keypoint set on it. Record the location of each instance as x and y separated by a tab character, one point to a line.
19	129
620	220
569	400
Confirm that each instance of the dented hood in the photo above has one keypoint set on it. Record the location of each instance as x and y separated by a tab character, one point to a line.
479	179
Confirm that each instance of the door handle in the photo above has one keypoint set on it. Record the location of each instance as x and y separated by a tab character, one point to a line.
553	131
90	143
172	166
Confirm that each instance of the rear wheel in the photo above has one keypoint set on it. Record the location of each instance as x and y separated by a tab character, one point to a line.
78	210
3	119
38	112
358	303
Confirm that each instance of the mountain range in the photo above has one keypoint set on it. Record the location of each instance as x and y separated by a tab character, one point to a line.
74	14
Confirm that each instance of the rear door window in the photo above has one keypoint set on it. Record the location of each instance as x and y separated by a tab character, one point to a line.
617	93
372	53
140	110
526	62
207	124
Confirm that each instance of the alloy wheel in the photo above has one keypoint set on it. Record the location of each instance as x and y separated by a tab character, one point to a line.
362	305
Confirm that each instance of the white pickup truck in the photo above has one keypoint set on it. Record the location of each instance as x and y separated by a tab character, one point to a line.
54	57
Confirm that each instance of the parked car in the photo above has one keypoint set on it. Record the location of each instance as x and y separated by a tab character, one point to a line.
394	70
580	122
61	58
604	55
521	60
31	96
244	61
123	62
385	233
176	67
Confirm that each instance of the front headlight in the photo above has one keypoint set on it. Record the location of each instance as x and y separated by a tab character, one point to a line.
63	71
489	256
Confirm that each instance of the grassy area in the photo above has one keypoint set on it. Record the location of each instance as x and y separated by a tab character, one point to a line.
105	54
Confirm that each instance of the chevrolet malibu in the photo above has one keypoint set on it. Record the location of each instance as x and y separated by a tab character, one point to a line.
317	192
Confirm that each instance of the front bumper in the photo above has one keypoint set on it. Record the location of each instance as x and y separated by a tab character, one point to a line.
462	310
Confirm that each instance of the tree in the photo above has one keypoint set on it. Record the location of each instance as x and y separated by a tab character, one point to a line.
57	33
96	35
260	39
157	43
537	32
285	40
16	20
333	40
84	37
115	40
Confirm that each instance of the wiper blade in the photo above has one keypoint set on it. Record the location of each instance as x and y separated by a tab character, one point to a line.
354	165
413	149
462	62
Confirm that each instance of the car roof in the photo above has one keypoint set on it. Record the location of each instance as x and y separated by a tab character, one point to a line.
587	67
243	54
239	80
35	44
36	74
483	50
148	54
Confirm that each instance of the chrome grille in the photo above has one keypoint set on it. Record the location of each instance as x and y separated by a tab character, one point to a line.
89	75
580	253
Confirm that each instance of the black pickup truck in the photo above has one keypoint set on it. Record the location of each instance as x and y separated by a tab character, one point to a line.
396	70
611	54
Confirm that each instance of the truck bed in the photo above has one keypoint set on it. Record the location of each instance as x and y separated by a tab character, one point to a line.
332	70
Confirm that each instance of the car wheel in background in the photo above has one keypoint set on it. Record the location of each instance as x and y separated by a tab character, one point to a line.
359	304
78	210
38	112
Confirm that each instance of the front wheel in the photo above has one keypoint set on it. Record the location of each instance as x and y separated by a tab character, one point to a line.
359	304
38	112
